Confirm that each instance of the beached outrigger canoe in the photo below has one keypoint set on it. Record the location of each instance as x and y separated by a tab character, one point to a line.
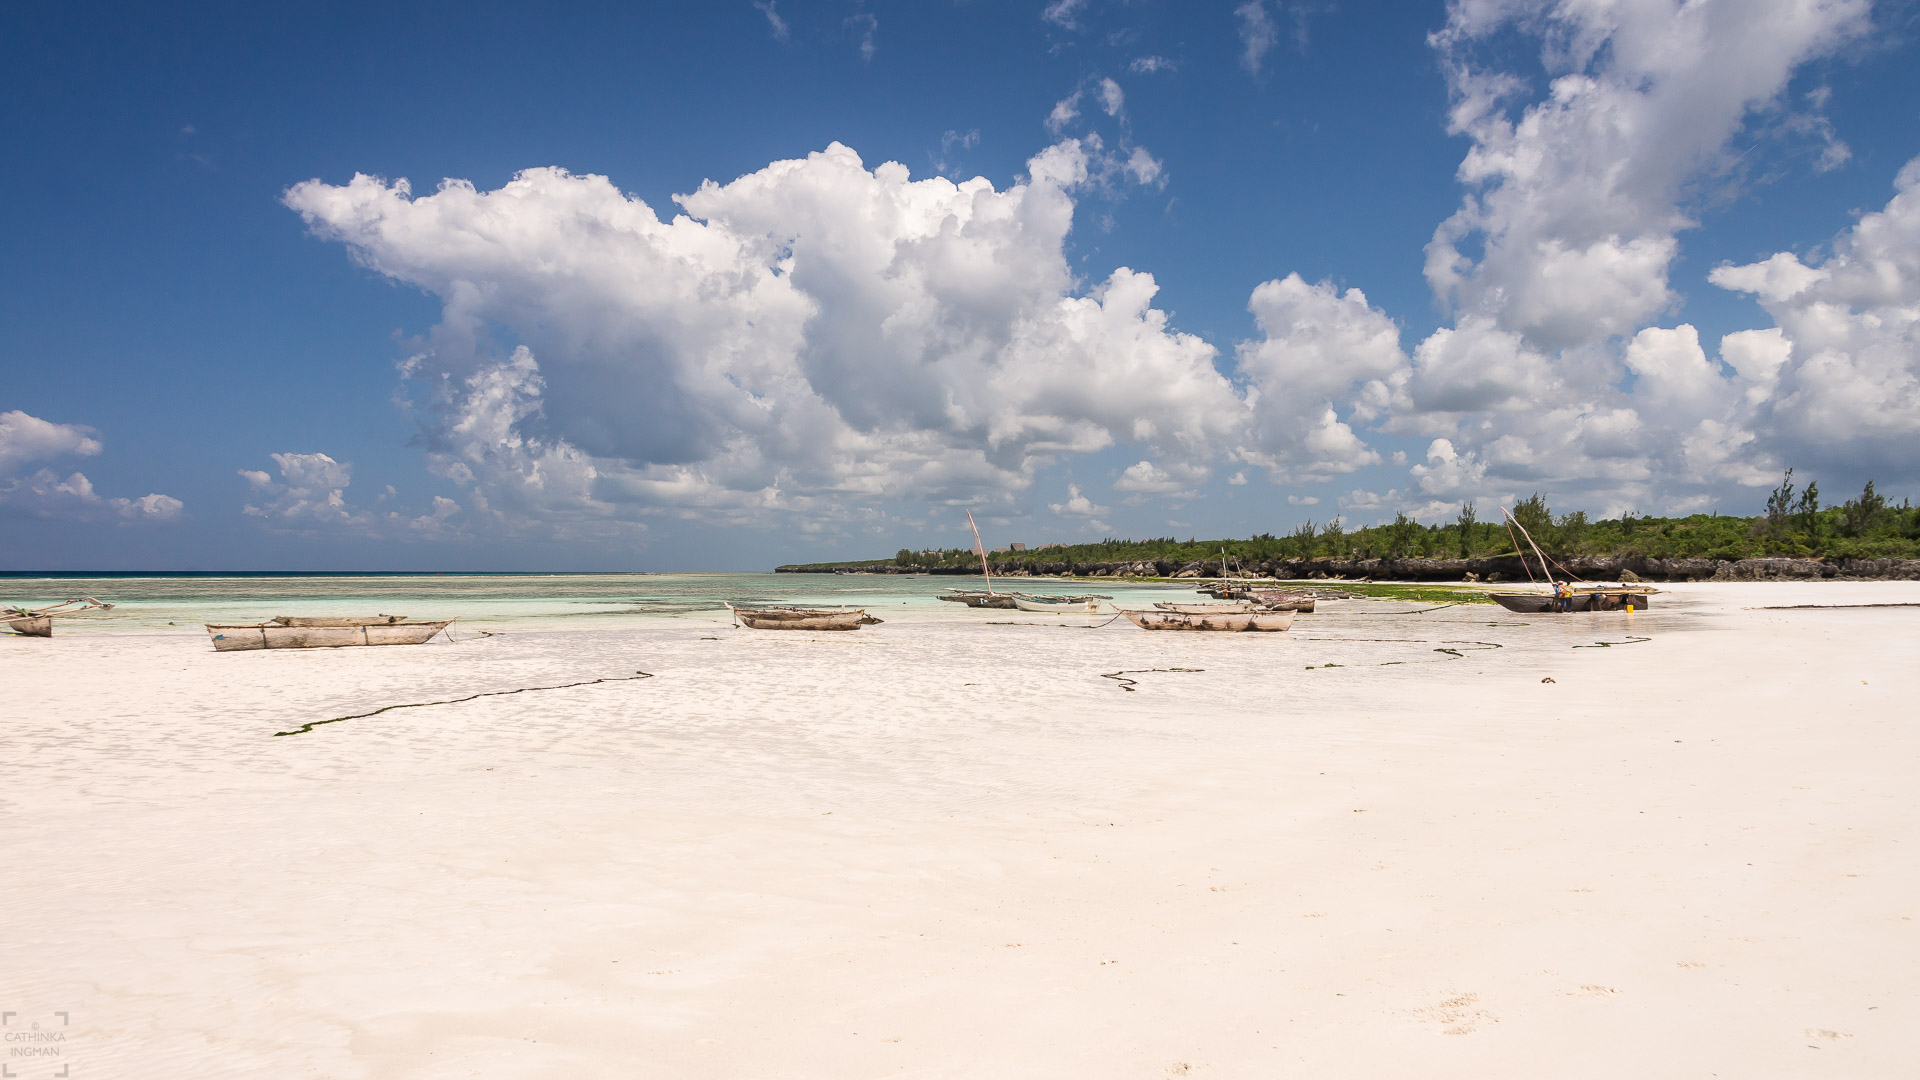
793	618
1229	621
287	632
38	622
1288	604
978	599
1300	602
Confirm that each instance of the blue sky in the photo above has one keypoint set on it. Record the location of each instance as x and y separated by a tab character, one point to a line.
812	368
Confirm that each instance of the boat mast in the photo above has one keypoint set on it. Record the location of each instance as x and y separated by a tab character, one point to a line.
980	547
1536	548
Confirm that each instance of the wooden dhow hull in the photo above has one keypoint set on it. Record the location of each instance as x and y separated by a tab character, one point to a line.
291	633
1549	604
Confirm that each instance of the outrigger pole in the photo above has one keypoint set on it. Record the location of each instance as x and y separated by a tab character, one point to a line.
980	547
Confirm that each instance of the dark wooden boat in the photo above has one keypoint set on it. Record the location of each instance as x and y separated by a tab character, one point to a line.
1565	595
1575	598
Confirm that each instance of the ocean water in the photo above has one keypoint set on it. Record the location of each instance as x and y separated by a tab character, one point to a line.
148	602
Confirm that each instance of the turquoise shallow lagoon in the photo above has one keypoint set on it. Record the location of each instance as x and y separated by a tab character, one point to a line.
144	603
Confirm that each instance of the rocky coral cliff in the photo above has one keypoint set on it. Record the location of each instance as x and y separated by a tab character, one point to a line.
1501	568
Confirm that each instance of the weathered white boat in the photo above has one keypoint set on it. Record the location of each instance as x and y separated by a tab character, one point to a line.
38	622
287	632
1057	603
1229	621
1207	609
976	599
1300	602
1272	621
792	618
32	625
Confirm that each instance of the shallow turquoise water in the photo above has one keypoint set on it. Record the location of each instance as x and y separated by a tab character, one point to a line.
142	603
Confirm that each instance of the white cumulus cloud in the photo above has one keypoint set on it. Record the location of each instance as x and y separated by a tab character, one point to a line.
1077	504
47	494
811	335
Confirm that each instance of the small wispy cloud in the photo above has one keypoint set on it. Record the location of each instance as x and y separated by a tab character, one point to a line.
1147	65
865	25
774	22
1064	112
1257	34
1063	13
1260	31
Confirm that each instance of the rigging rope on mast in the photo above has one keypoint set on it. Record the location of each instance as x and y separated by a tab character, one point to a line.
980	547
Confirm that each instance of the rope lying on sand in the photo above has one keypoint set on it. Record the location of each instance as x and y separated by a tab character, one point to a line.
1128	684
1422	611
304	728
1820	607
1631	640
1452	654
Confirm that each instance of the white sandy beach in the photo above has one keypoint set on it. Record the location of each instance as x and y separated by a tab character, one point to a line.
940	847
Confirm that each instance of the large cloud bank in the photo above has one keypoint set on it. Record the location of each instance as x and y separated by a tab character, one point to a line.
808	336
824	336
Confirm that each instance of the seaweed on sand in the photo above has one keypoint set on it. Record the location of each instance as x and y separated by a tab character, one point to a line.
310	725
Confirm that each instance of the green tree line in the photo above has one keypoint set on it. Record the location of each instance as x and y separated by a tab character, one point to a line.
1796	523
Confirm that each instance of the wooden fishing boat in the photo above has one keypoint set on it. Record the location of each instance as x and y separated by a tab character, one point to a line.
32	625
1292	604
1300	602
1057	603
793	618
1228	621
981	599
1575	598
1207	609
38	622
1565	596
287	632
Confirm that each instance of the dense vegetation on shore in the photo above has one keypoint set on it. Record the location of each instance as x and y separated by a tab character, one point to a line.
1796	524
